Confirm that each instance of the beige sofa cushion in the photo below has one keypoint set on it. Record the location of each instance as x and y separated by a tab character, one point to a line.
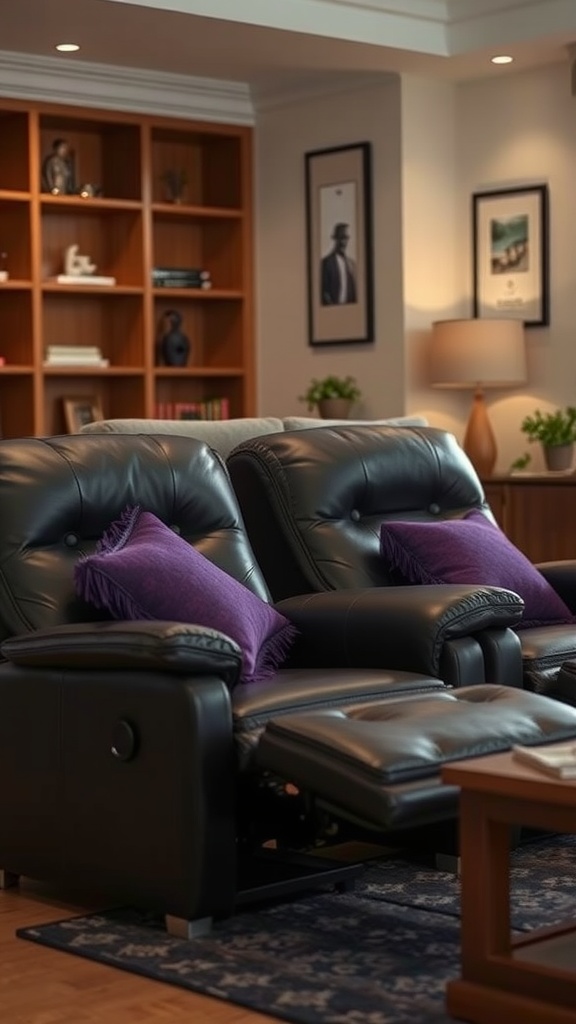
303	422
222	435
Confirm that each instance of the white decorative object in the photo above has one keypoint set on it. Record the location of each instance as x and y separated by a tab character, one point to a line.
76	265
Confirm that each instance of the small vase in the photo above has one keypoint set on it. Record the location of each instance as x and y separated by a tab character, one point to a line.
559	456
172	345
334	408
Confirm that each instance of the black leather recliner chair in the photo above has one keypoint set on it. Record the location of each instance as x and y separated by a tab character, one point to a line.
132	760
313	502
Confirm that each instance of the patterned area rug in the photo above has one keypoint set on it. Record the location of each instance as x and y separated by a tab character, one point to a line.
381	954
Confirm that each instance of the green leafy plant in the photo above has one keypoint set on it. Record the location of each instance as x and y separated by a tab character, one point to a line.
330	387
551	428
521	462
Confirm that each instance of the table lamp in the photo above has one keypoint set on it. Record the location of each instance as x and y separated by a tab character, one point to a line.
478	354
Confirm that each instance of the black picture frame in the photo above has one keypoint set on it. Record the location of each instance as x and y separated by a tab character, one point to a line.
511	254
339	224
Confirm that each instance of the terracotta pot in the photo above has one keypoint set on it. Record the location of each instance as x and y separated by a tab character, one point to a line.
334	408
559	456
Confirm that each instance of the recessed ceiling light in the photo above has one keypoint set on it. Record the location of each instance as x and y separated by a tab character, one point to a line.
67	47
503	59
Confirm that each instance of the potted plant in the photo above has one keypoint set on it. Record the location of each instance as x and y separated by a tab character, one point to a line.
332	396
556	432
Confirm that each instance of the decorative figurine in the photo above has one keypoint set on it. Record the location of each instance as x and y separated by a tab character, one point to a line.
58	170
76	265
175	182
172	345
3	266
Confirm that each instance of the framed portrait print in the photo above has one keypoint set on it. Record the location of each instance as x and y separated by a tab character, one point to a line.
339	245
78	411
510	257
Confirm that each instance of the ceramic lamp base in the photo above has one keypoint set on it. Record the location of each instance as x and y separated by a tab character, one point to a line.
479	440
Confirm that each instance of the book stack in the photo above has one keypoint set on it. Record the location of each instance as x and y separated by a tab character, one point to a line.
209	409
74	355
181	277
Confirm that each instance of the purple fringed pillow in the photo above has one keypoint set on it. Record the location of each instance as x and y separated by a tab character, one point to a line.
141	569
471	550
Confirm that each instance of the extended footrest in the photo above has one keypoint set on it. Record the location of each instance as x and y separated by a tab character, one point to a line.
379	764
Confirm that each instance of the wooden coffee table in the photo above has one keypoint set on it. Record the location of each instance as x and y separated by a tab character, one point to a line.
522	980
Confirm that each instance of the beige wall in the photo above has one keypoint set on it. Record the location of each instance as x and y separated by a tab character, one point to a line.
431	237
286	361
434	144
513	132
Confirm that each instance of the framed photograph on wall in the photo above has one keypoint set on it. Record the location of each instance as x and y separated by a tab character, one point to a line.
510	254
339	245
78	411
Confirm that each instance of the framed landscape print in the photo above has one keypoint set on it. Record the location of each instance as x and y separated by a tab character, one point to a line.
339	245
510	257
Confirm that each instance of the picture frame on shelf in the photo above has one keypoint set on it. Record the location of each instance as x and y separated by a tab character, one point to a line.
81	410
340	276
511	254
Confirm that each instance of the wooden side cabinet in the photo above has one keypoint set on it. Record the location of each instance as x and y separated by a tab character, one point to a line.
537	513
127	223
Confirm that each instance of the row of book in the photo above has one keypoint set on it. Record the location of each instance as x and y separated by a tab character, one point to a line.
209	409
181	277
74	355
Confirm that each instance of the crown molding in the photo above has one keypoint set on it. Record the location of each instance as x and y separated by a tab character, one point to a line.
274	97
111	87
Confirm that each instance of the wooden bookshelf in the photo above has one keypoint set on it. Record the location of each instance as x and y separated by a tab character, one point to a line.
129	226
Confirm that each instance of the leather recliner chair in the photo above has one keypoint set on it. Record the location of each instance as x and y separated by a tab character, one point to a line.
132	759
313	503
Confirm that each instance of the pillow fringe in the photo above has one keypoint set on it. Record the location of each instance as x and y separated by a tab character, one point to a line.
118	533
272	653
409	566
95	588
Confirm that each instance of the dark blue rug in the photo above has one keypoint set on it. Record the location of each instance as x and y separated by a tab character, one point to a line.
381	954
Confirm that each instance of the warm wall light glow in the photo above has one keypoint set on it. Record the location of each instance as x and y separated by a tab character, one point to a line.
67	47
503	59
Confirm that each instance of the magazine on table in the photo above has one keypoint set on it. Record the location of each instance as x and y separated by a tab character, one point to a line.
558	759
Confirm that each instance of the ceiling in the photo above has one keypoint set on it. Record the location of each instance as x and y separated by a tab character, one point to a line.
276	44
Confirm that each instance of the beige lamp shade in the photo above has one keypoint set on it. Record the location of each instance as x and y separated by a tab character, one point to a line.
471	353
478	354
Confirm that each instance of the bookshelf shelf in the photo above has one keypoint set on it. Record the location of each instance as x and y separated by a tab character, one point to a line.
127	227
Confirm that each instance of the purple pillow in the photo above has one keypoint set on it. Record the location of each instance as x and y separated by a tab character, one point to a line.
471	550
141	569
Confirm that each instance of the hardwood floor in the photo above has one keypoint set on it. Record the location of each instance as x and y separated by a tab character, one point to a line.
42	986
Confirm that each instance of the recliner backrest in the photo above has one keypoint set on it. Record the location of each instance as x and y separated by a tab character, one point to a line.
58	496
313	500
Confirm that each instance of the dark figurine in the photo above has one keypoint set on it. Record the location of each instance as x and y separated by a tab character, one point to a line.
58	170
173	347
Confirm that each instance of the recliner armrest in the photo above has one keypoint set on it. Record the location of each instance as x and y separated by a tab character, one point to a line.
148	645
400	627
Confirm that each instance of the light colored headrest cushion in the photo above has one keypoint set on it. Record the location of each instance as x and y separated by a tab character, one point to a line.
303	422
222	435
